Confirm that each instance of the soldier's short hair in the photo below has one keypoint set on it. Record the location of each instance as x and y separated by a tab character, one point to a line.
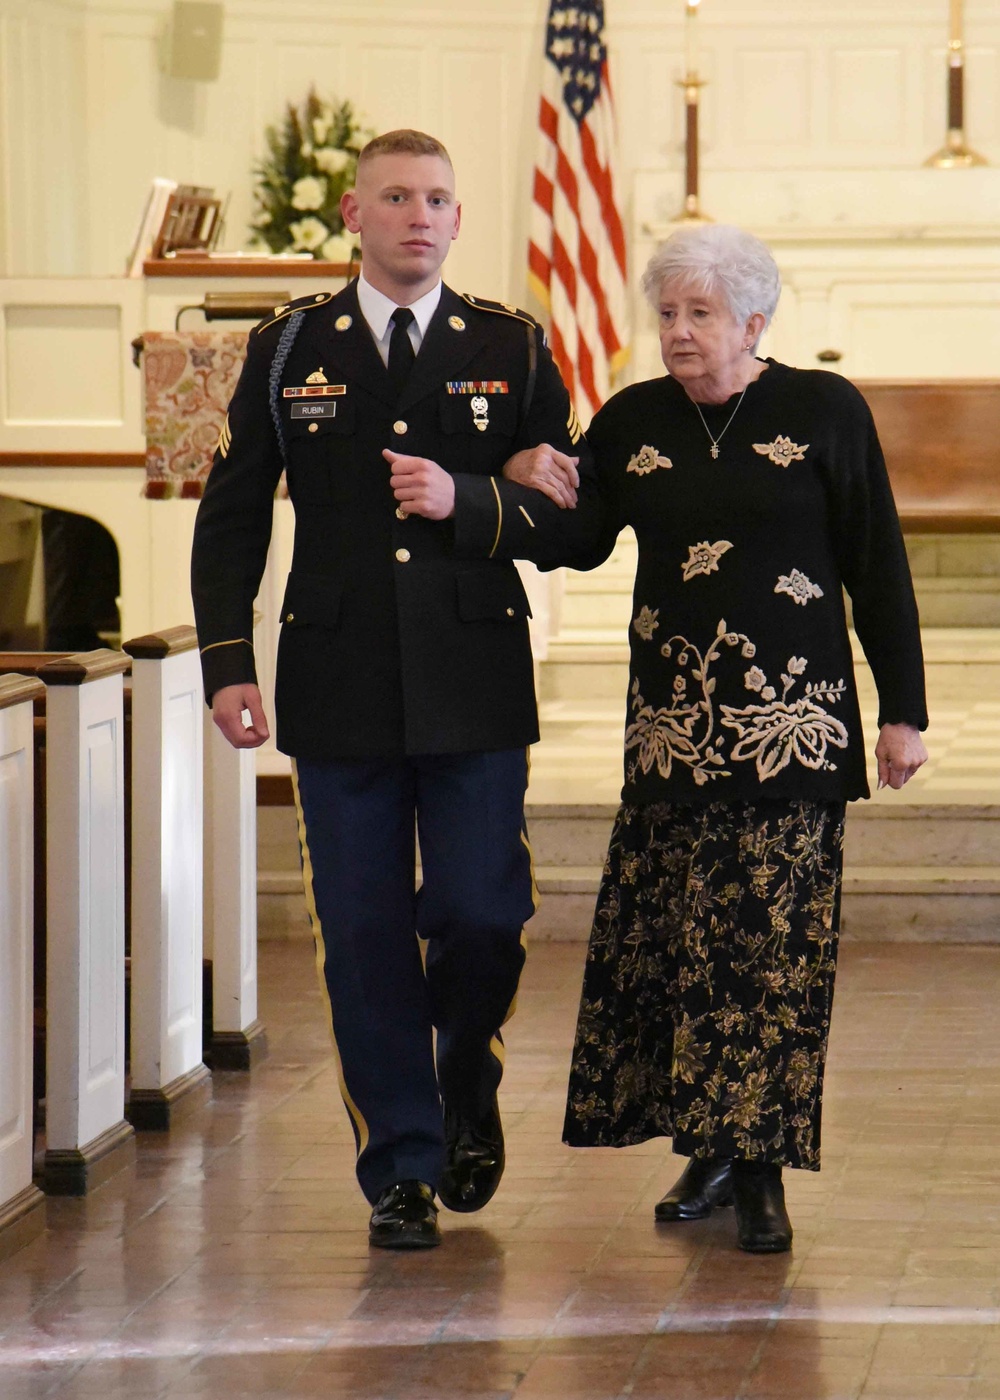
404	142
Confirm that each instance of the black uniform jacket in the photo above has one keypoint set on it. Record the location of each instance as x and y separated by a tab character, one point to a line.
399	635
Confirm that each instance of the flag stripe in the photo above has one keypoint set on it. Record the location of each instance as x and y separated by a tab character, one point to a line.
576	250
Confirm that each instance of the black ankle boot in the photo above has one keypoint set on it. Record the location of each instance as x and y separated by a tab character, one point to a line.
762	1222
706	1182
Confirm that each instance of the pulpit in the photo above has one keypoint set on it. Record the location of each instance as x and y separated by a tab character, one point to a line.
72	431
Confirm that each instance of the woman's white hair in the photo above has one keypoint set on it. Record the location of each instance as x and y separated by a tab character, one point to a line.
717	258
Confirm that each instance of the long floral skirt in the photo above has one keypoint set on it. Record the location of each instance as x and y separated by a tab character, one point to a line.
709	981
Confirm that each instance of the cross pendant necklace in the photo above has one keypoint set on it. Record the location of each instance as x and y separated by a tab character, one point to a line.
714	449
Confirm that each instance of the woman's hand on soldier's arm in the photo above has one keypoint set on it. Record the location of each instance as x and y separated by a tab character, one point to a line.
546	469
900	752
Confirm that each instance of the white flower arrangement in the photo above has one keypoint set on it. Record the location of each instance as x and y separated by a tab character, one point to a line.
312	159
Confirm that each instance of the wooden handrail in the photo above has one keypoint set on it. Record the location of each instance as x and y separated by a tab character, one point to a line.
15	690
154	646
83	666
73	459
27	663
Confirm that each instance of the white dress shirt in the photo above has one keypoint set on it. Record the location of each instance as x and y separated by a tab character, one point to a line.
377	310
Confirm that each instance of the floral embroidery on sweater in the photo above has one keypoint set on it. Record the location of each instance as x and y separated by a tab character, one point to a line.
704	558
645	623
798	587
646	460
771	733
782	450
778	731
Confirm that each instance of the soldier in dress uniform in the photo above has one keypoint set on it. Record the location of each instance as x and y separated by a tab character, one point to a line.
407	418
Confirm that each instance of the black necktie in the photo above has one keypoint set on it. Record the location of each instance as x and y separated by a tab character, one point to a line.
401	353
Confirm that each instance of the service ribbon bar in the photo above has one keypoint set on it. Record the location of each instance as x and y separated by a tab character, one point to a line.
477	386
315	391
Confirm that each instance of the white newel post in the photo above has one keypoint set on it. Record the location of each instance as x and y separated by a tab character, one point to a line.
87	1137
238	1038
168	1075
22	1205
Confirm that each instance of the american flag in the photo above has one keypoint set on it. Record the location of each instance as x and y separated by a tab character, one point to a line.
576	253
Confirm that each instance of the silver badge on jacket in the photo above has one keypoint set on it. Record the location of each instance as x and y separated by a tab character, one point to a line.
480	412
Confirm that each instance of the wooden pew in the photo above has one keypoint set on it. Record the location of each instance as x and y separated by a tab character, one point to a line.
942	447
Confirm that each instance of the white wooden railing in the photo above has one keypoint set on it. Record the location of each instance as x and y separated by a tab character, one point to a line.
193	809
22	1205
166	1051
87	1135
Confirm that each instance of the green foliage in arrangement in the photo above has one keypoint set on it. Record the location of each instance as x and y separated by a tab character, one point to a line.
312	159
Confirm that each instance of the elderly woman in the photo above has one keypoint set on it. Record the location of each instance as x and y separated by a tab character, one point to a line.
757	493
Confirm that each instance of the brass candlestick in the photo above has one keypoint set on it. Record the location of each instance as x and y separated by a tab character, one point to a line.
955	154
691	211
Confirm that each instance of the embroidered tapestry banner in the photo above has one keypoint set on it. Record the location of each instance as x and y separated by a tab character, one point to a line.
189	379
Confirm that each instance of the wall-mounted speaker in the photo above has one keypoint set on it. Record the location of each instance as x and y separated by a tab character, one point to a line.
193	41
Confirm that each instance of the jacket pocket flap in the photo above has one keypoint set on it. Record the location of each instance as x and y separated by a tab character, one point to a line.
491	595
311	601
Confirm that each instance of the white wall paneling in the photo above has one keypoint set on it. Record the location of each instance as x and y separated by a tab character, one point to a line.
868	97
43	137
167	895
19	1199
85	880
66	365
858	87
896	270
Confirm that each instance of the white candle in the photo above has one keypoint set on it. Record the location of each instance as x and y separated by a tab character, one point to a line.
690	46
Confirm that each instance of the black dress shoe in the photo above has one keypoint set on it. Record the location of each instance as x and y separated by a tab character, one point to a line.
706	1182
475	1159
762	1223
405	1217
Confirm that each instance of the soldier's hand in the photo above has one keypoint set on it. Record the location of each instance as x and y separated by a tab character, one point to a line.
420	486
548	470
228	706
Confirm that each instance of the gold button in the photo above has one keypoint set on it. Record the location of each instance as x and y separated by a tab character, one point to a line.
401	514
510	612
289	617
399	427
314	427
403	555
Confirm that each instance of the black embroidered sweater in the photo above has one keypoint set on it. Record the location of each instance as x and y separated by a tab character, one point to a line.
742	683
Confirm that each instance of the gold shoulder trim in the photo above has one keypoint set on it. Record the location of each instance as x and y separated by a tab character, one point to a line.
501	308
308	303
236	641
